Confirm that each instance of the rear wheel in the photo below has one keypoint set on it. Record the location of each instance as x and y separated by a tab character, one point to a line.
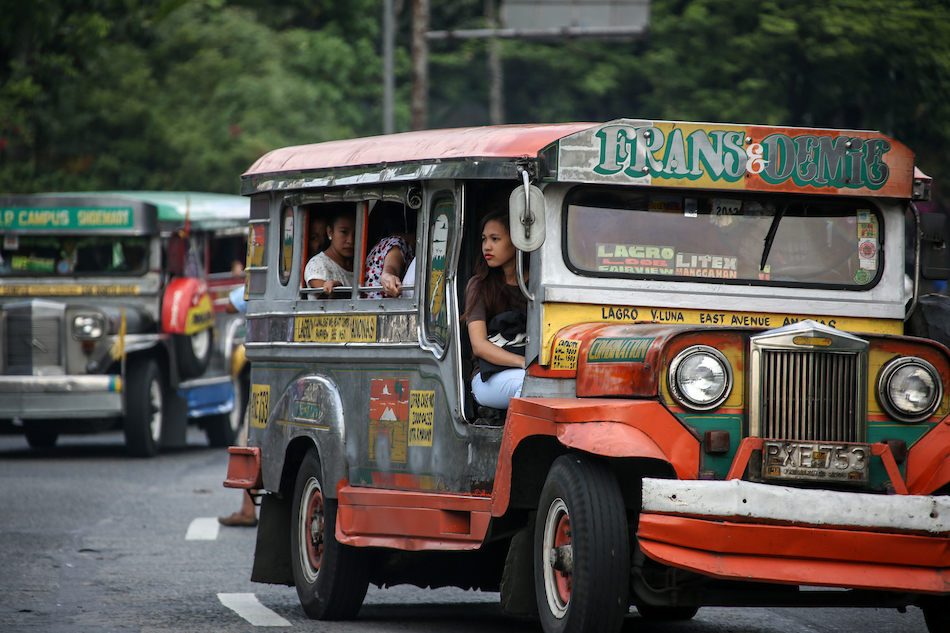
144	408
581	553
331	578
193	352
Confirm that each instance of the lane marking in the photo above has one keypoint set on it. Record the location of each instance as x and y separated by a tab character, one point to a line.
203	529
247	606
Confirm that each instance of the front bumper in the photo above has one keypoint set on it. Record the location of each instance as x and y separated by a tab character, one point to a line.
761	532
58	397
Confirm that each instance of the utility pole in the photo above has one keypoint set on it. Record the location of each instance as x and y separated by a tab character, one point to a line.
420	64
389	81
496	75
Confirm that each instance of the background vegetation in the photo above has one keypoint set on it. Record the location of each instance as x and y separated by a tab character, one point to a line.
186	94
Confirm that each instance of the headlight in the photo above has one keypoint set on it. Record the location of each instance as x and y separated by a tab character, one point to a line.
88	326
909	389
700	378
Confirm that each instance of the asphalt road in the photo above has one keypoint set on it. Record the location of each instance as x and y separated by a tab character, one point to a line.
92	540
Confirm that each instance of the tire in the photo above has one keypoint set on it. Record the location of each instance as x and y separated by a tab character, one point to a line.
144	408
331	578
39	436
937	614
223	429
193	352
581	513
666	614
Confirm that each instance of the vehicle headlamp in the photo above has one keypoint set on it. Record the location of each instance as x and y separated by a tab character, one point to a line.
700	378
88	326
910	389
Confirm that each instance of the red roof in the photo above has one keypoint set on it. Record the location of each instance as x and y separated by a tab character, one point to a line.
503	141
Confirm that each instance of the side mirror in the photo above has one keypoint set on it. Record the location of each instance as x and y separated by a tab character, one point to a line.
526	218
934	249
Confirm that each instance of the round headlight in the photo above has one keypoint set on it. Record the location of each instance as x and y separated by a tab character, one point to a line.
910	389
88	326
700	378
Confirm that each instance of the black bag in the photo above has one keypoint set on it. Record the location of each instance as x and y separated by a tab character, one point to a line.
508	331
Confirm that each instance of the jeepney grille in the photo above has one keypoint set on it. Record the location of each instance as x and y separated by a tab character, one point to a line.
33	341
809	395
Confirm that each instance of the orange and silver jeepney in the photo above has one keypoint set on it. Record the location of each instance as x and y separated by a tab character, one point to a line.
725	402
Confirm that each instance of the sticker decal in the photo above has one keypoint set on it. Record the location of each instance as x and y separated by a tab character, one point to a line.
421	414
335	329
259	405
565	354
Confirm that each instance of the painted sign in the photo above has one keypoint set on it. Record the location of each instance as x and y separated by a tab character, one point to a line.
618	350
560	315
736	157
71	290
335	329
388	420
65	218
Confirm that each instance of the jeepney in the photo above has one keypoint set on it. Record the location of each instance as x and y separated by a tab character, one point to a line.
723	403
113	316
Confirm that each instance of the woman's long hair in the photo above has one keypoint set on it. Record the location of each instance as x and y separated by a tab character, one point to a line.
487	281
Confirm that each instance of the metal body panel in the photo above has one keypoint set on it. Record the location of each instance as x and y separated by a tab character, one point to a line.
56	397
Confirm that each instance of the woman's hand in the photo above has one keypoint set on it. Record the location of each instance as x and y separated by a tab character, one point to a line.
392	284
328	286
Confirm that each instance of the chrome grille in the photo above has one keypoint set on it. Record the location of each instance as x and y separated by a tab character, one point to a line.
808	381
808	395
33	342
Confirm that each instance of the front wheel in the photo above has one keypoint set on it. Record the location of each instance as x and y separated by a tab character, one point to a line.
331	578
194	352
581	552
144	408
222	429
937	614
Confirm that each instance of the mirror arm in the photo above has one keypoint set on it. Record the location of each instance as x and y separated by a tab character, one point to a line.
919	231
519	266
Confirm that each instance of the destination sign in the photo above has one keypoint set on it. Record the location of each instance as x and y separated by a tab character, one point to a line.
65	218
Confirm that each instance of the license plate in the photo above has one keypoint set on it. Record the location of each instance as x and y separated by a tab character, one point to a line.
815	461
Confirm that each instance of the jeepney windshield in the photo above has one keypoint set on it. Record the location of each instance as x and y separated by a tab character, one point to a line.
71	255
815	242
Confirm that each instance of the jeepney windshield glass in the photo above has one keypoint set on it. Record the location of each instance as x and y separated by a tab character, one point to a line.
817	242
59	256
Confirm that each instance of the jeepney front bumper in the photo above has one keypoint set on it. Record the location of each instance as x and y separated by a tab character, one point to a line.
59	396
762	532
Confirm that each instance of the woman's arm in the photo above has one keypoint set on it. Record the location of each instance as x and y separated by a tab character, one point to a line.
327	286
393	266
483	348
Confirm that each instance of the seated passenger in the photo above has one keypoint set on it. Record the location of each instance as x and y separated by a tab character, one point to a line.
387	262
334	266
493	301
317	235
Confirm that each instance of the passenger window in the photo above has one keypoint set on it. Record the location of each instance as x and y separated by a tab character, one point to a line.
391	237
256	267
441	238
286	244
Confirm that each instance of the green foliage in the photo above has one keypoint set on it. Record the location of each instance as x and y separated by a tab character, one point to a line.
186	94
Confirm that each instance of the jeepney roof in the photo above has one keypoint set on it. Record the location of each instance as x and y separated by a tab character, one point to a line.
624	151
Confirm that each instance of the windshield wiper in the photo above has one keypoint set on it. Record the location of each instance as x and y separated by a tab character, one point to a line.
770	237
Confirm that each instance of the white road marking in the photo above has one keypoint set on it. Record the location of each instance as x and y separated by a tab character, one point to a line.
247	606
203	529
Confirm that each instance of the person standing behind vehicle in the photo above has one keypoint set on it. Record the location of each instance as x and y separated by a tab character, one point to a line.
492	292
334	266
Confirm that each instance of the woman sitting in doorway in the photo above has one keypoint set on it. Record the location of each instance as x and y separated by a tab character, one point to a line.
334	266
495	307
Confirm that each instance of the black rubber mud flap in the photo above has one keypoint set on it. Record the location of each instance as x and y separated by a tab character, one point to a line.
272	563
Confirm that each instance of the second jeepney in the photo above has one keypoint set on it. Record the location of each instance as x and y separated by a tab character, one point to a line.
725	401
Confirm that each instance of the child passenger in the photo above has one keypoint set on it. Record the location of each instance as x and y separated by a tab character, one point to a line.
493	292
334	266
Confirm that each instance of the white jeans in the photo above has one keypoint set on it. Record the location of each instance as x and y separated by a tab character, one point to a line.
499	389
